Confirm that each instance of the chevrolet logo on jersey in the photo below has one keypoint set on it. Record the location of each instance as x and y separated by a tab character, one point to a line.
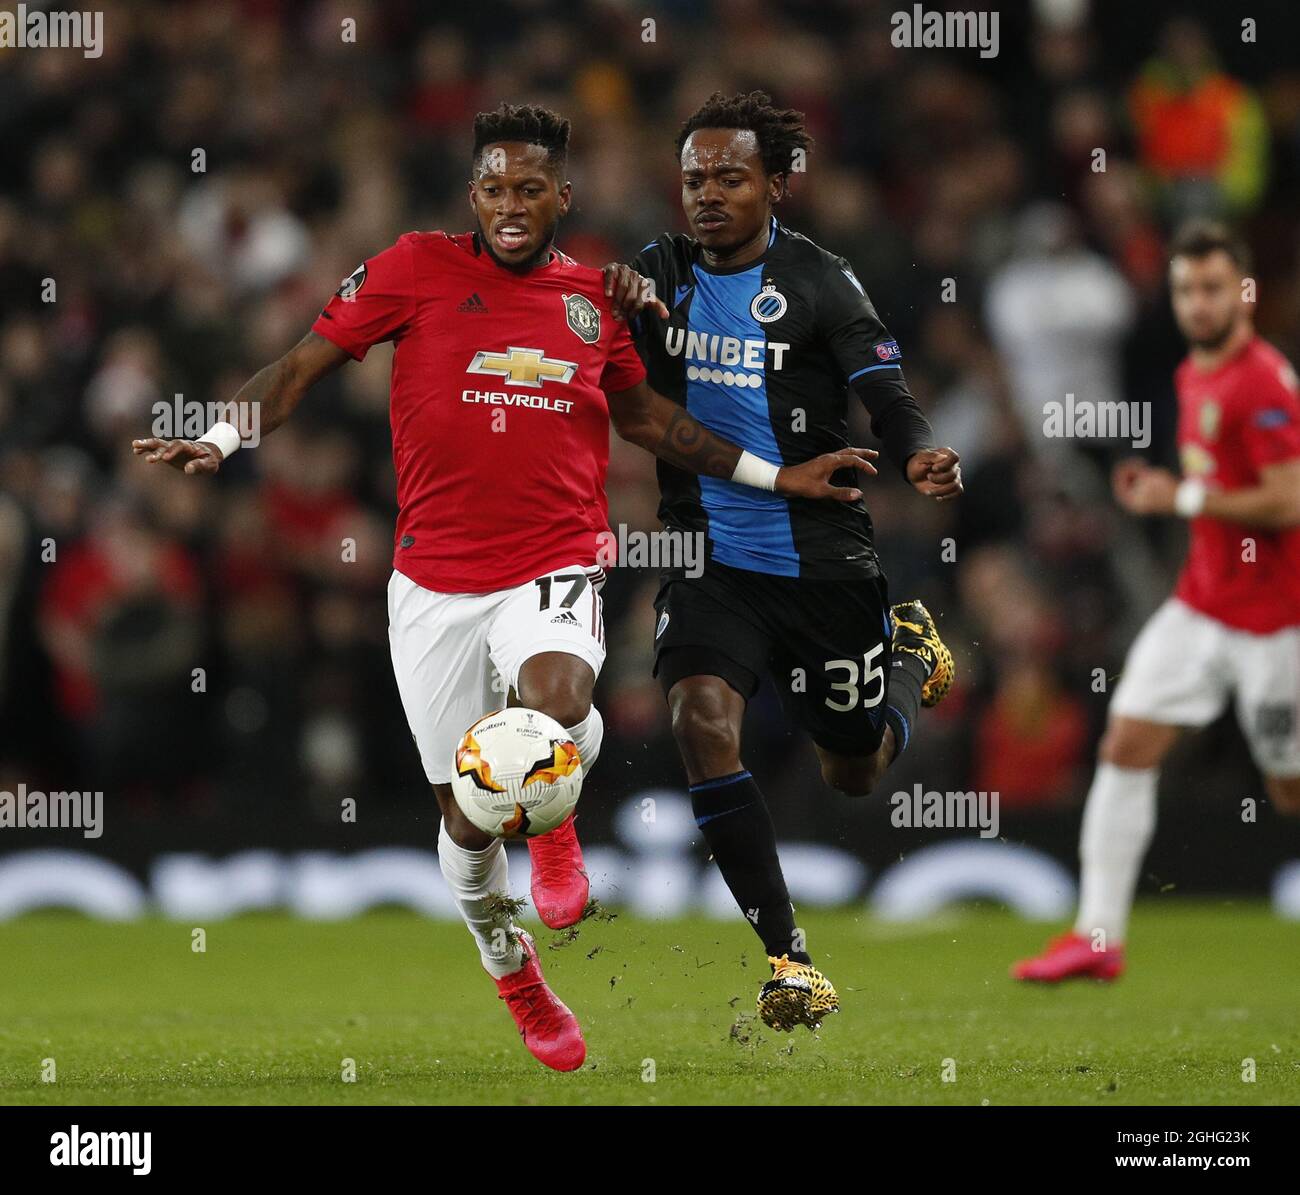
524	367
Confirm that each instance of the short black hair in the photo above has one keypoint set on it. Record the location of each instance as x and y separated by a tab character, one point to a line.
780	131
525	122
1200	238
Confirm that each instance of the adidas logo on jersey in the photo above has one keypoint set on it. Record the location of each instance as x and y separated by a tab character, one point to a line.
474	305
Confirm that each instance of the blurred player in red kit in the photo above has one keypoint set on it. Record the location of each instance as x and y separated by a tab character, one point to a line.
1231	630
510	363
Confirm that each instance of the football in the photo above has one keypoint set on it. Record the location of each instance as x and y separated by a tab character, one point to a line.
518	773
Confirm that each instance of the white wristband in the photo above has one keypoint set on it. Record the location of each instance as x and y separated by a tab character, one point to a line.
754	470
225	436
1189	498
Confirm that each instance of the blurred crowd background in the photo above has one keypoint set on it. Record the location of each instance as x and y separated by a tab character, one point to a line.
176	272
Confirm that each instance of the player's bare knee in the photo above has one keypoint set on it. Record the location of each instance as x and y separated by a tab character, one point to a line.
567	699
567	709
1284	794
1115	748
854	776
558	685
851	782
462	831
703	730
1129	744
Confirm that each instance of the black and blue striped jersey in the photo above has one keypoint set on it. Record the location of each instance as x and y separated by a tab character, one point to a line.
765	354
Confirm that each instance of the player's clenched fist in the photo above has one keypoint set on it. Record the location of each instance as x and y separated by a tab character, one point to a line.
190	456
935	472
1142	489
812	479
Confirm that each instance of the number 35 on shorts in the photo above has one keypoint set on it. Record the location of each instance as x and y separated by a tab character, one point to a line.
860	684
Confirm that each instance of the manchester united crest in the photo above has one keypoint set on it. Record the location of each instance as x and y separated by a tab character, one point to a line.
584	319
1196	460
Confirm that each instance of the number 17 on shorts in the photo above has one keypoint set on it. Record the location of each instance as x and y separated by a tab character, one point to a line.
456	655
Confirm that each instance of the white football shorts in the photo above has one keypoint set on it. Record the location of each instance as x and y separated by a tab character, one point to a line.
1184	667
457	655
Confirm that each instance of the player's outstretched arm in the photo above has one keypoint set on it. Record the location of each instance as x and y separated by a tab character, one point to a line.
643	417
1142	489
273	392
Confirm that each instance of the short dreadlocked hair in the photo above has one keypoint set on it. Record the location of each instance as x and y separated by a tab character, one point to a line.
780	131
525	122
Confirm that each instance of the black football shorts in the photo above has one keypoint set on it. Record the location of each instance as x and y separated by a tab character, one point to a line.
826	645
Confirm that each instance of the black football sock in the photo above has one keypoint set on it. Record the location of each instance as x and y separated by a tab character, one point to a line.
907	673
733	817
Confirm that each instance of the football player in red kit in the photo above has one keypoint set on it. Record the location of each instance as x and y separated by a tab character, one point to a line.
1231	630
508	369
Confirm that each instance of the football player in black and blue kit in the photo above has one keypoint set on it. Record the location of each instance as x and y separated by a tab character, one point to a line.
767	337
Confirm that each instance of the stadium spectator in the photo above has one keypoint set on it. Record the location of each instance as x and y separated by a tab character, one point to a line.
175	274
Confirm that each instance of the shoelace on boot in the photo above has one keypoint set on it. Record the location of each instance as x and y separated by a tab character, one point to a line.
552	856
538	1009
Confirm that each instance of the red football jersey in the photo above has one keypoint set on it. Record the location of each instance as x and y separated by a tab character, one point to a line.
1231	422
500	424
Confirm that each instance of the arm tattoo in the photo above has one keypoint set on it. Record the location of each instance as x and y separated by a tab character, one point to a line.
690	445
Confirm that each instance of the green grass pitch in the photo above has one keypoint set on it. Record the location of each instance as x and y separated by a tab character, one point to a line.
268	1014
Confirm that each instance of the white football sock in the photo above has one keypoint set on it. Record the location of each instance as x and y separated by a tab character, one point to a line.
587	737
1118	821
472	876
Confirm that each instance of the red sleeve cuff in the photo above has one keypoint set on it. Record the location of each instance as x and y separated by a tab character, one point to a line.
326	327
623	380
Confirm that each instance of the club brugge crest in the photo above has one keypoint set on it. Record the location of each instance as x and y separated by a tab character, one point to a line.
584	319
768	305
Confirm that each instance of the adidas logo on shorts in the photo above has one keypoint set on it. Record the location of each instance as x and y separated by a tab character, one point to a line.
566	616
